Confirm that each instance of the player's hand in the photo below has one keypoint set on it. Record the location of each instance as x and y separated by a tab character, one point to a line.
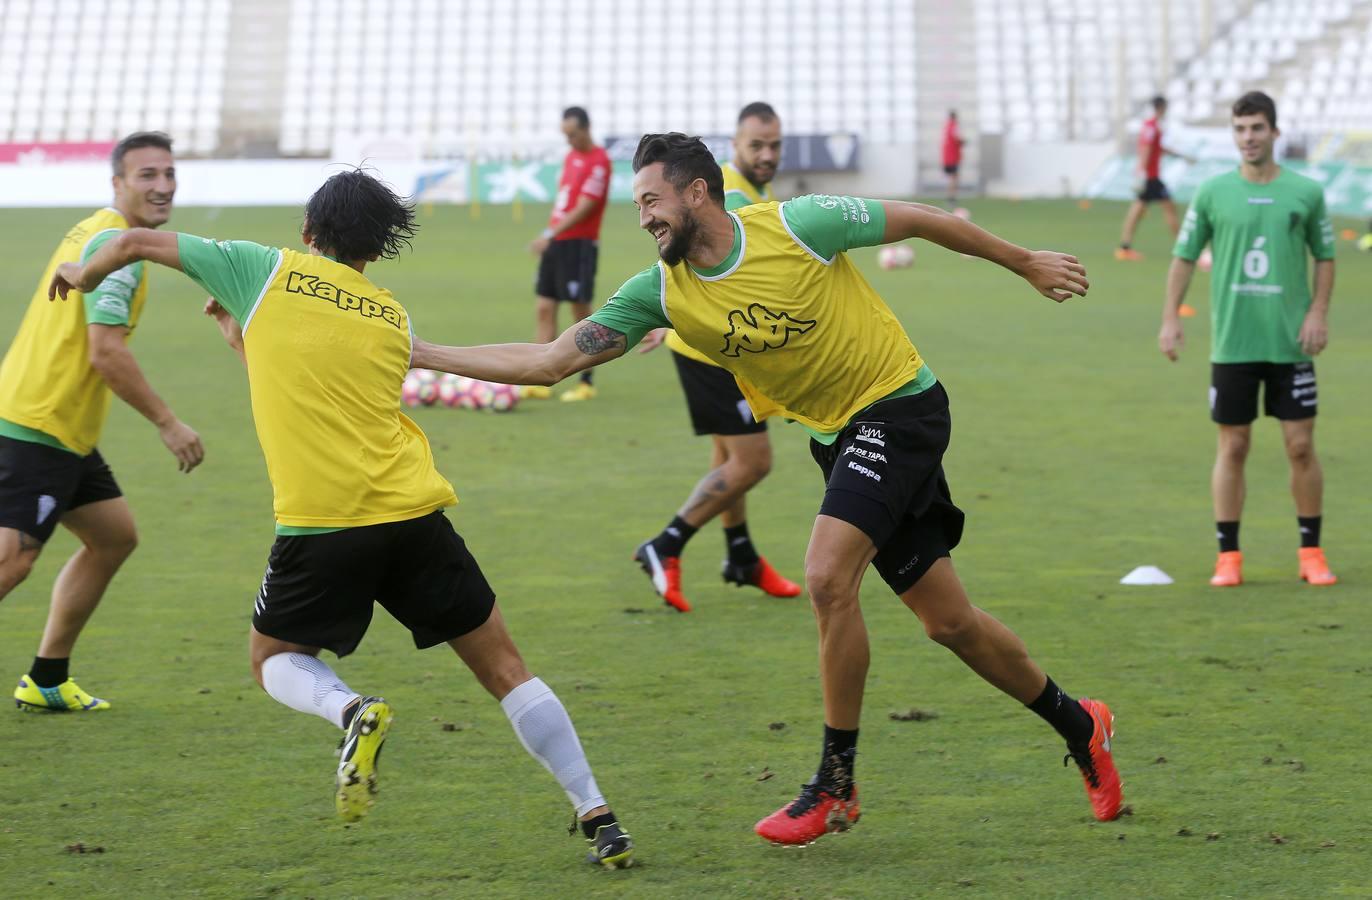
1170	338
538	245
184	444
652	340
67	278
228	325
1314	335
1056	276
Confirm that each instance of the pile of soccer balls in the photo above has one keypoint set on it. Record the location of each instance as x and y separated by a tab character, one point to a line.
424	387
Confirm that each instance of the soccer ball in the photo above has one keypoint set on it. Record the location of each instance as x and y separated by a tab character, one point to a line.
425	376
495	396
896	256
409	390
1365	243
454	390
1205	260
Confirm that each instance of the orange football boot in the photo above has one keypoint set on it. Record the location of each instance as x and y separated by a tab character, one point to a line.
665	572
1186	311
1314	568
1127	254
1229	569
761	575
813	814
1097	765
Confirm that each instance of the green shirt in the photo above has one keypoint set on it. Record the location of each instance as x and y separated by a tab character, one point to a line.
1260	282
236	273
825	229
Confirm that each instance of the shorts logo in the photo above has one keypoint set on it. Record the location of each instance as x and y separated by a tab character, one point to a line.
862	452
314	286
573	288
46	504
745	412
871	435
758	329
914	561
863	470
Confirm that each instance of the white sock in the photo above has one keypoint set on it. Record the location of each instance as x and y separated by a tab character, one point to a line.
546	731
308	684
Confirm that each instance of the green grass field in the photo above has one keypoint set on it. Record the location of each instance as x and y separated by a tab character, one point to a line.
1078	453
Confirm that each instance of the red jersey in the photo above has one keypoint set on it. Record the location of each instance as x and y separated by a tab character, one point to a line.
584	174
952	143
1150	148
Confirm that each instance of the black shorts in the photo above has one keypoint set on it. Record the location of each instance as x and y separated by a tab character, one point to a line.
40	484
950	169
566	271
712	395
1153	191
319	588
885	476
1289	391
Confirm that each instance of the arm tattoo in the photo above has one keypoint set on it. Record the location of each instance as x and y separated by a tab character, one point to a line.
593	339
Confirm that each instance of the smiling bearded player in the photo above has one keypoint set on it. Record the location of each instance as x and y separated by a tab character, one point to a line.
769	293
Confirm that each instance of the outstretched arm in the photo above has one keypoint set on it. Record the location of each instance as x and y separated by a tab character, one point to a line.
585	344
127	247
1056	276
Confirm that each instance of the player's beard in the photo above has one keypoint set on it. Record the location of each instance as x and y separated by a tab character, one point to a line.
757	177
683	237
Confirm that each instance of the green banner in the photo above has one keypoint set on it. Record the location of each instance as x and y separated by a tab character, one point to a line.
536	182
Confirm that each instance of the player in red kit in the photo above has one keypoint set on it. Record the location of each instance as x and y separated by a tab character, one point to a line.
568	247
1150	186
952	154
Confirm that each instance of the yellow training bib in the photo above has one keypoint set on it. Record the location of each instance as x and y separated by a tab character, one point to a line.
734	182
46	381
327	351
807	338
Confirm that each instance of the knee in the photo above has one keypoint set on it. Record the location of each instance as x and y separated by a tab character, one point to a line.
14	568
829	593
951	629
1234	449
1301	451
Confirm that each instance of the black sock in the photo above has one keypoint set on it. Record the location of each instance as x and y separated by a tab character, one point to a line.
49	672
835	773
586	376
1310	530
1228	534
1124	245
740	546
1065	714
673	538
589	826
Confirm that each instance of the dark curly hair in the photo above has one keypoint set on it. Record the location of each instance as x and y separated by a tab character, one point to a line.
353	216
684	159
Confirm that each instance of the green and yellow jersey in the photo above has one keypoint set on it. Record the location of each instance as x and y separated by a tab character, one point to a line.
738	193
786	312
327	351
1260	282
49	392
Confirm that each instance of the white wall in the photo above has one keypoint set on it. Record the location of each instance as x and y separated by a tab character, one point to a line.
1057	169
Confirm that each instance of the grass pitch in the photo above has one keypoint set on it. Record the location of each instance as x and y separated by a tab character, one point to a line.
1078	453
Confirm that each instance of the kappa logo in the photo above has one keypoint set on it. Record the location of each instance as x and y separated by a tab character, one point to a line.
46	504
314	286
759	329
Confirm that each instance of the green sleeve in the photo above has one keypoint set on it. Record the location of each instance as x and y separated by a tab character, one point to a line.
109	303
636	308
736	200
234	272
1196	228
827	225
1319	230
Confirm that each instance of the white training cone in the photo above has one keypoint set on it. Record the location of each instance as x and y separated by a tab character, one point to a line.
1147	575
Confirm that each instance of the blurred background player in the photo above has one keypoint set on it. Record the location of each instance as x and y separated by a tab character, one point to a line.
1260	219
952	154
354	529
741	453
55	386
569	246
1151	189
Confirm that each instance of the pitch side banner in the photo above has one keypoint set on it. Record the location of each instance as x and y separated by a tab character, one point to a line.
837	152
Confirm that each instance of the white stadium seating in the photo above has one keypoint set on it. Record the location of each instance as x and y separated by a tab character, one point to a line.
93	70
